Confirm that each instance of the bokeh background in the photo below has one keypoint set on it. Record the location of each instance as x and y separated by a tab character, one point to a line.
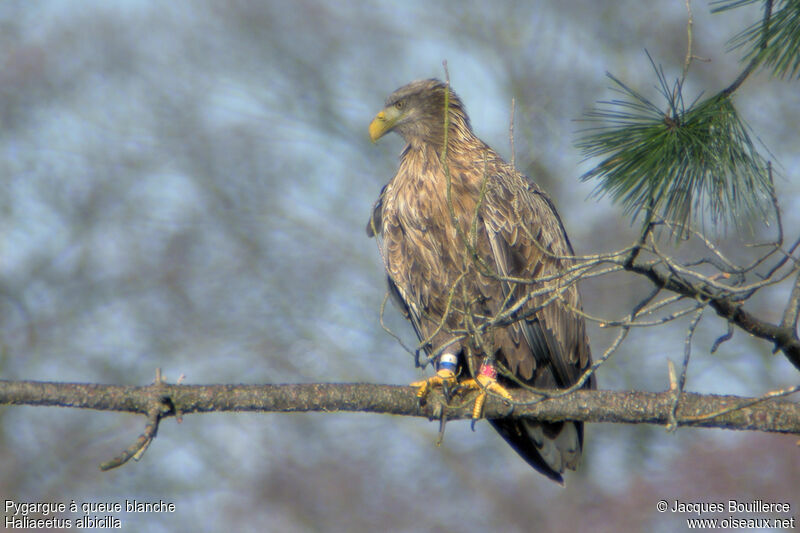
185	185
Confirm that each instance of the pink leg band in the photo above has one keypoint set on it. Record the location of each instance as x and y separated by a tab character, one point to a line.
488	370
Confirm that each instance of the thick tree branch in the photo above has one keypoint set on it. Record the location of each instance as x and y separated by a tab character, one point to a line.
590	406
161	400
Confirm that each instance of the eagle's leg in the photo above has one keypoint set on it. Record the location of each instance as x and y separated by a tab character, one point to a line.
485	381
445	374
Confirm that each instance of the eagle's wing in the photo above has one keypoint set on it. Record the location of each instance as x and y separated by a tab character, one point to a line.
406	306
528	241
375	222
548	349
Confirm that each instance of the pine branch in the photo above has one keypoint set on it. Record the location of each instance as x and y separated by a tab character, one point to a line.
678	160
774	41
162	400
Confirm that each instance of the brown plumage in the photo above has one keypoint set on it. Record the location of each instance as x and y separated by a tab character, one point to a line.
451	279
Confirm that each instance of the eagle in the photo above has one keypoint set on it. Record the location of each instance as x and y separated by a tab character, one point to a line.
476	258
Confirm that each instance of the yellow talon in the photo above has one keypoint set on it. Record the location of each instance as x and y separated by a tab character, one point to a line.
444	377
484	383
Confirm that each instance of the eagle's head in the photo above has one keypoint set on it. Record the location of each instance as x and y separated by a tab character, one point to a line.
416	112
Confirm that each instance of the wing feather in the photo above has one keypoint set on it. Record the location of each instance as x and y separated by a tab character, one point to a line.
528	241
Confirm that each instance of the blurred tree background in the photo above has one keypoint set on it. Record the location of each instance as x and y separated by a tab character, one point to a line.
186	185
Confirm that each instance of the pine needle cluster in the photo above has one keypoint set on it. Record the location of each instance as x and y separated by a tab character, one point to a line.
679	162
773	42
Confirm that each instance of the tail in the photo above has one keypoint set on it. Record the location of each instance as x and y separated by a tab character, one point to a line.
547	447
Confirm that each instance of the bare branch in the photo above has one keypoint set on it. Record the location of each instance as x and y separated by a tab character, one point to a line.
728	335
792	307
137	449
677	387
760	414
783	338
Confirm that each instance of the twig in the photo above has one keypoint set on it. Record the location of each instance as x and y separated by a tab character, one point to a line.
677	388
394	335
749	403
511	132
136	450
688	59
723	338
757	59
160	406
783	338
790	315
687	350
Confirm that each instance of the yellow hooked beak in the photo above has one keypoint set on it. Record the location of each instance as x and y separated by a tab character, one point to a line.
384	122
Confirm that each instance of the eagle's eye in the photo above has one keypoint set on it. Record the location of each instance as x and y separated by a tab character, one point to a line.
400	104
